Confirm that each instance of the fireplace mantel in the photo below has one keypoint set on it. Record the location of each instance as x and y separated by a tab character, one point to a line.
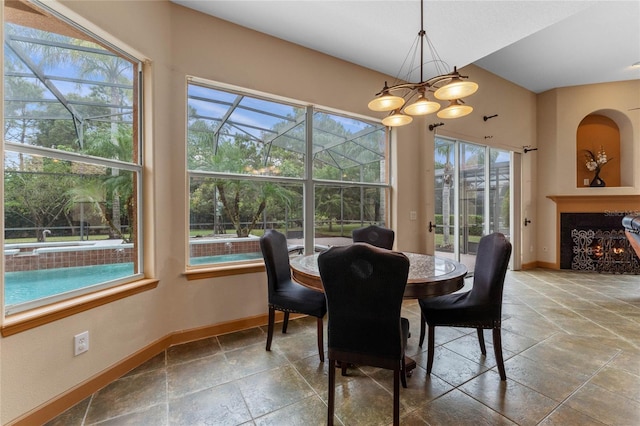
614	205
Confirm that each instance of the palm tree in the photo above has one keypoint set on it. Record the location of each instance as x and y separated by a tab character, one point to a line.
111	70
444	148
93	194
119	185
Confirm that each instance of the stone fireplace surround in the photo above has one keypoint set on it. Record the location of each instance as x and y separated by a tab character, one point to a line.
590	235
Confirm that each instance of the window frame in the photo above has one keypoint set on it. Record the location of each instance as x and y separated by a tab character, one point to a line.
23	316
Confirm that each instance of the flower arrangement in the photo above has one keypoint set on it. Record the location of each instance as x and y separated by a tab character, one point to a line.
595	161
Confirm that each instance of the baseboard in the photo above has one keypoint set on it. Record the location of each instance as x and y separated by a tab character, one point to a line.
68	399
548	265
537	264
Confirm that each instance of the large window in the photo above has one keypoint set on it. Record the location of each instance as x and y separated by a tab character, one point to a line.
72	164
257	163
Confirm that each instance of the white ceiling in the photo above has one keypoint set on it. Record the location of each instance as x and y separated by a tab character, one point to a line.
536	44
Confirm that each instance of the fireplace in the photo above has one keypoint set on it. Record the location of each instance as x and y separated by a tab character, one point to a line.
590	235
596	242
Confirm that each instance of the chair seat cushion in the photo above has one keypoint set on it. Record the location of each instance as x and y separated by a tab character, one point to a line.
294	297
459	309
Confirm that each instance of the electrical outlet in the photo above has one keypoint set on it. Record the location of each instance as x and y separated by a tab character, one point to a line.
81	343
413	215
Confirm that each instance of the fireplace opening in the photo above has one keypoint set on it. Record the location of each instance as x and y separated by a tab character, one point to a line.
596	242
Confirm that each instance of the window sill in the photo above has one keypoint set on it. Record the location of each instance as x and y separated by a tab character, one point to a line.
223	271
33	318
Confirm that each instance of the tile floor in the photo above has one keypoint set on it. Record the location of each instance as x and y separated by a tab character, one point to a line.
572	356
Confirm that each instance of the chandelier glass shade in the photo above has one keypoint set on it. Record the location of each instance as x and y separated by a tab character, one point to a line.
396	118
422	106
455	110
456	89
386	102
446	86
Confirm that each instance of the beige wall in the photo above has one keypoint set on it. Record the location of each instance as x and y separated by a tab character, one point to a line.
560	111
38	365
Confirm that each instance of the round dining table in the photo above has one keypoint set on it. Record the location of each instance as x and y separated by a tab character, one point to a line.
428	275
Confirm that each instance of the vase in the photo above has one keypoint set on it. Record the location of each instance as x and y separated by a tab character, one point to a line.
596	181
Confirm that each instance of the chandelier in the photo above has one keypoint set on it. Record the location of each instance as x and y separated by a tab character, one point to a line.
450	87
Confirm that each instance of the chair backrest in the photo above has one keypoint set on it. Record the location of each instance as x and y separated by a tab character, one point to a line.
276	258
364	286
374	235
490	269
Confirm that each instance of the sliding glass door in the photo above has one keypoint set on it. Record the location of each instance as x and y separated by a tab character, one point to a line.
472	187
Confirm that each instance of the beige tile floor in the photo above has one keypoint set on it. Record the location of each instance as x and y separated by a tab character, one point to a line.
572	356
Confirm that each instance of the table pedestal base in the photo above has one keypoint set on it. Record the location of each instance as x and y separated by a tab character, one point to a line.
409	365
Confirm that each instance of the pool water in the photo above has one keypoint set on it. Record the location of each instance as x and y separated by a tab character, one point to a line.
224	258
25	286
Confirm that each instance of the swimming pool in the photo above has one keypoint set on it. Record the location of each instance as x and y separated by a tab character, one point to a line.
26	286
224	258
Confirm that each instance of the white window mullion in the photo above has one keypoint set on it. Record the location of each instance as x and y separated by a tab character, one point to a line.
308	191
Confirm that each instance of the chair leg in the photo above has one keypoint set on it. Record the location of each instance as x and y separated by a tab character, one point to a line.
483	348
430	348
285	323
321	339
272	319
423	326
396	397
497	348
332	391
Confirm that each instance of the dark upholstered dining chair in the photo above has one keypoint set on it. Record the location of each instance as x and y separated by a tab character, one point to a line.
479	308
285	294
364	286
374	235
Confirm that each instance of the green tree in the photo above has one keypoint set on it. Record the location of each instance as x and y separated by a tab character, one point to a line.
19	118
93	193
445	149
506	207
37	192
118	185
244	201
96	119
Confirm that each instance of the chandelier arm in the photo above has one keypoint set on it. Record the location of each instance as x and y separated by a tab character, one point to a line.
410	86
426	84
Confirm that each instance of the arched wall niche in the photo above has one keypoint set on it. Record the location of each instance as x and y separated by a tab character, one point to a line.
611	130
